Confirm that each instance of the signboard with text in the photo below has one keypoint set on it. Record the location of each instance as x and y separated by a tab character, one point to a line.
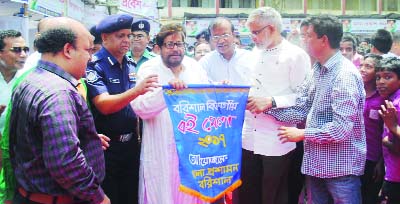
48	7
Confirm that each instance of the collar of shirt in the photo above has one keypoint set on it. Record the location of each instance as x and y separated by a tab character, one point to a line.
103	53
376	94
394	95
276	48
147	54
330	64
53	68
223	58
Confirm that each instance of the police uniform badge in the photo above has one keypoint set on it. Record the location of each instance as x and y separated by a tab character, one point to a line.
91	76
132	77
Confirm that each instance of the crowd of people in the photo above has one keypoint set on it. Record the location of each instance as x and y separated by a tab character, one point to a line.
83	118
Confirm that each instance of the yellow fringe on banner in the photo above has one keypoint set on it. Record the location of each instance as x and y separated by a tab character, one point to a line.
206	198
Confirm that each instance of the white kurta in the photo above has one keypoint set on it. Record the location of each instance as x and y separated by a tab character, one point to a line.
278	72
159	176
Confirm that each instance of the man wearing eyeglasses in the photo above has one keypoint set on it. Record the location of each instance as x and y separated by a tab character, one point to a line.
159	175
111	82
13	53
140	38
280	68
226	63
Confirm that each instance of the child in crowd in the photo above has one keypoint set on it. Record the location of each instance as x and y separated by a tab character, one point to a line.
388	84
372	179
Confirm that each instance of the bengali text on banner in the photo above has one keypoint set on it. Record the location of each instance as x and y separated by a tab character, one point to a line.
207	122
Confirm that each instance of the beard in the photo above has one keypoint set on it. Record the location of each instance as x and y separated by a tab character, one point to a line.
170	62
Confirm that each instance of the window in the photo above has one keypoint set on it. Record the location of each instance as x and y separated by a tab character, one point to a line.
246	4
176	3
282	5
293	4
368	5
194	3
324	4
226	3
390	5
352	5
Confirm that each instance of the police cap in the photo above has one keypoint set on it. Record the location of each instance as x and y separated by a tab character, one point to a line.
140	25
114	23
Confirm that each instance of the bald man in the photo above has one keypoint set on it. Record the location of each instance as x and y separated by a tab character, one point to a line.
54	147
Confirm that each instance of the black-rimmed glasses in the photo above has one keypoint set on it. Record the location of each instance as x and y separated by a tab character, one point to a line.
171	45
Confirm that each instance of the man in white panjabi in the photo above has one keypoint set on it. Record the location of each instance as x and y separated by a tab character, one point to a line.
159	176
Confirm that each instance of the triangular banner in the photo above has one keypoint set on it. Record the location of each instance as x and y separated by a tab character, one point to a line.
207	122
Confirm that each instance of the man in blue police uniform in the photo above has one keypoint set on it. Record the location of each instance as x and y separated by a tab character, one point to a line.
140	38
111	86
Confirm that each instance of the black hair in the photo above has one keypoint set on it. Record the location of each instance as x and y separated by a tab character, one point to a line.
305	22
204	33
382	40
54	40
168	30
391	64
8	34
218	21
376	58
347	37
329	26
97	35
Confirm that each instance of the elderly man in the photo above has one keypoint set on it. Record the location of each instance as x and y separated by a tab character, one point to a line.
54	148
280	68
332	105
111	82
159	176
140	38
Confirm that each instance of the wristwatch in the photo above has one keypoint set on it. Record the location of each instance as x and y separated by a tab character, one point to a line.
273	102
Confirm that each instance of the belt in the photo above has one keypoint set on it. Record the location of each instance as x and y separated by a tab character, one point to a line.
46	198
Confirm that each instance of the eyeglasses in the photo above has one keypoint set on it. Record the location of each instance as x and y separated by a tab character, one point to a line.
171	45
19	49
224	36
256	32
138	36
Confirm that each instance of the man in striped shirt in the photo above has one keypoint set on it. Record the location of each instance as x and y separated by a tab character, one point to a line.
332	104
54	147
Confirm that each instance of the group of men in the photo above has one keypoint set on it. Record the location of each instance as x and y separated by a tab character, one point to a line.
57	136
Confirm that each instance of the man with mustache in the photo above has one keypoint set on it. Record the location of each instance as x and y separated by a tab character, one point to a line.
159	176
280	67
111	86
226	63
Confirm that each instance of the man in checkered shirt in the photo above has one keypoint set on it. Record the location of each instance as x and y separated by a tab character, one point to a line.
332	103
